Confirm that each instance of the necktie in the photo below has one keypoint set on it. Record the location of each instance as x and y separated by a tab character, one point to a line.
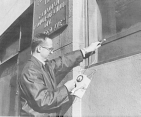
50	76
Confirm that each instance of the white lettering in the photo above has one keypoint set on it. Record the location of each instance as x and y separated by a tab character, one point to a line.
45	16
39	1
45	12
58	24
56	3
51	7
49	30
47	23
47	1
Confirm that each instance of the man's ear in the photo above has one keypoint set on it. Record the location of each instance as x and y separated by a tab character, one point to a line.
38	49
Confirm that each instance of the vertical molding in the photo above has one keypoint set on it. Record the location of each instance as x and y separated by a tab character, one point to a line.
87	28
20	36
78	41
95	26
78	24
17	98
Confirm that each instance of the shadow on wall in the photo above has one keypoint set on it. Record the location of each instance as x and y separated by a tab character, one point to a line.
66	108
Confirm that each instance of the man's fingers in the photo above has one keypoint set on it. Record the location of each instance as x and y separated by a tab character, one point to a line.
98	45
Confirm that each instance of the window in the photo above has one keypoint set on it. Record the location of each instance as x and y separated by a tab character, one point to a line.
119	15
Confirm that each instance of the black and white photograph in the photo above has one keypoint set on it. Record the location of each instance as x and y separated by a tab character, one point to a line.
70	58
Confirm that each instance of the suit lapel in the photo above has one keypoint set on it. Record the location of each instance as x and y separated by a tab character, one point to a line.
47	76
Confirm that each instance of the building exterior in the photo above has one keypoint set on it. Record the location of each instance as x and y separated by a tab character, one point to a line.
114	70
10	11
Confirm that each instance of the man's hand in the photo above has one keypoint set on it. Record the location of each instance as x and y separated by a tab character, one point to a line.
92	47
70	85
81	86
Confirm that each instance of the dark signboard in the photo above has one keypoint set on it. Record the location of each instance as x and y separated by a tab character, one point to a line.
50	16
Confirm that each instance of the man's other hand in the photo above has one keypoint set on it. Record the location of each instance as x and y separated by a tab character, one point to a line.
70	85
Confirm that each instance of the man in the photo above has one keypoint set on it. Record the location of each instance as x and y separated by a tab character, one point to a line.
38	83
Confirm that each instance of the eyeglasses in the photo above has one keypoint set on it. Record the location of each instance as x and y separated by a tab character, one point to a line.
49	49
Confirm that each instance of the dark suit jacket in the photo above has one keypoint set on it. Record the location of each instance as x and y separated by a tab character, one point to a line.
38	85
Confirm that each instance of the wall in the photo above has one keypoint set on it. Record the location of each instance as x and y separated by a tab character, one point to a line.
115	89
8	88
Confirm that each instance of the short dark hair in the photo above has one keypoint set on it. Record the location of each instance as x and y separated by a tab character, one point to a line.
37	40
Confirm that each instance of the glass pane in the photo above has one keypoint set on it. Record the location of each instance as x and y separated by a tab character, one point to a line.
119	15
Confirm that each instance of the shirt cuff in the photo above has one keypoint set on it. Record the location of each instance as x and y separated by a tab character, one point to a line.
86	54
83	52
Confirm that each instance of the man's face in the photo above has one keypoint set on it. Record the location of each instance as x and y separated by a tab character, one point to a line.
46	48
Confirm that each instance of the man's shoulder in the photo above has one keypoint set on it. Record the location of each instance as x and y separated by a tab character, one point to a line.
28	65
31	64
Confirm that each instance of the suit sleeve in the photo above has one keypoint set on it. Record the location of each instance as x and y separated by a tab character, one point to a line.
39	96
64	64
